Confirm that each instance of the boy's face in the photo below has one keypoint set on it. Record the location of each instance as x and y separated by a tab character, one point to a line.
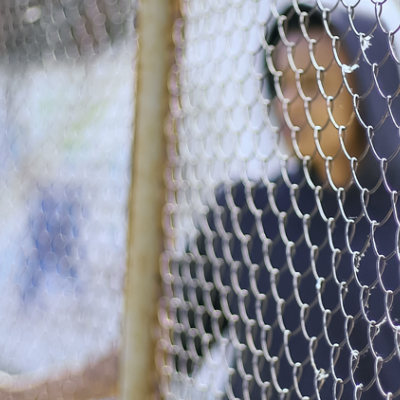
304	103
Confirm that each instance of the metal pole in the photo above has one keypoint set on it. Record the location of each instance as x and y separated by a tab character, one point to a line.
147	197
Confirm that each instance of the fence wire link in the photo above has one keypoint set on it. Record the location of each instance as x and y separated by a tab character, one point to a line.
281	269
66	101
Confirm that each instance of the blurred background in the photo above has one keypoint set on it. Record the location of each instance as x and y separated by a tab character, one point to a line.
66	117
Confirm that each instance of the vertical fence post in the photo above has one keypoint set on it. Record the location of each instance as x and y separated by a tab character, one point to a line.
147	196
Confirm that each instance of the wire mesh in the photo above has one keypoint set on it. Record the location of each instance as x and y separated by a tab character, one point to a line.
66	94
281	269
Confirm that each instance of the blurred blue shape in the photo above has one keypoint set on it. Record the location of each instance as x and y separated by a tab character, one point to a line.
55	221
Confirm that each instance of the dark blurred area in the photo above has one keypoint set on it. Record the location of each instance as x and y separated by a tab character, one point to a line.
63	29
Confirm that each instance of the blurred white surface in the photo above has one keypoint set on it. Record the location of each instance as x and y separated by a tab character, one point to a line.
64	125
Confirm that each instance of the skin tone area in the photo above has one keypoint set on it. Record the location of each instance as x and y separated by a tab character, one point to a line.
311	113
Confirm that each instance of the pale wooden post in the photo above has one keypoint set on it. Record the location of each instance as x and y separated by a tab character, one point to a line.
147	197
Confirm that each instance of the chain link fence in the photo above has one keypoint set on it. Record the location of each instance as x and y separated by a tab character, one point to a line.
66	95
281	270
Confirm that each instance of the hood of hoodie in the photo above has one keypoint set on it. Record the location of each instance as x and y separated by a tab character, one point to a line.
376	96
